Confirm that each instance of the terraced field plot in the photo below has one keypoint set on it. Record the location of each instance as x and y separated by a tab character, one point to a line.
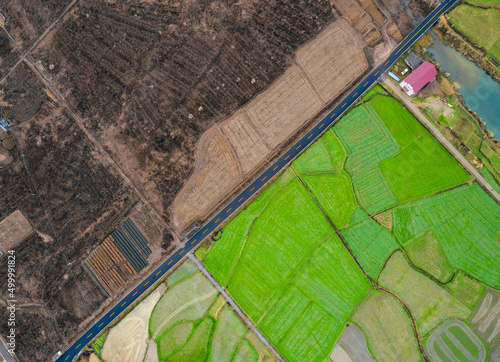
480	25
301	256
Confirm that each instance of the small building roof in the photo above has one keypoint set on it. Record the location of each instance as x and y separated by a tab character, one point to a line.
419	78
413	61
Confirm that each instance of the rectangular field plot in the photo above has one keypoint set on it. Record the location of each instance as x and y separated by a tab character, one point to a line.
421	169
13	229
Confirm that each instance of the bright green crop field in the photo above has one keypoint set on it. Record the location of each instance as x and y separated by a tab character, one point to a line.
303	255
422	169
466	222
480	25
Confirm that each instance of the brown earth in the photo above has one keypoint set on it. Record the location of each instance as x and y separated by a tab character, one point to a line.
81	202
145	79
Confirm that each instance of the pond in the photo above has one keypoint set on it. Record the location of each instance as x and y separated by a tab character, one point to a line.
480	92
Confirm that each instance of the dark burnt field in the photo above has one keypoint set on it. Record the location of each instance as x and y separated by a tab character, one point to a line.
84	200
155	77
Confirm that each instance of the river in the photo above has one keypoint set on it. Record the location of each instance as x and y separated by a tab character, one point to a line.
480	92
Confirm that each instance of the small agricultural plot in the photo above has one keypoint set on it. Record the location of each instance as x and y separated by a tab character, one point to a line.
486	318
480	25
387	328
429	303
454	341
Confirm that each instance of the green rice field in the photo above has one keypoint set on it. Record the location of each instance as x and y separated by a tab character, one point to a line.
480	25
302	256
465	221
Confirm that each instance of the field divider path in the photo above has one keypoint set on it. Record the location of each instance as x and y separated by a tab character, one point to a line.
442	139
237	309
178	310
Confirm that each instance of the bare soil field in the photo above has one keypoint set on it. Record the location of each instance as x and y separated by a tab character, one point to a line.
485	320
127	340
353	342
13	229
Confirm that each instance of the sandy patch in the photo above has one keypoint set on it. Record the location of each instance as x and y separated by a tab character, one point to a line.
334	59
13	229
127	341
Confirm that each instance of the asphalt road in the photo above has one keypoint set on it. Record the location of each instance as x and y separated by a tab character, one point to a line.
256	185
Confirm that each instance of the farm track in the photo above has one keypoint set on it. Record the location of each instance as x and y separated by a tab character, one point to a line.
100	148
442	139
39	40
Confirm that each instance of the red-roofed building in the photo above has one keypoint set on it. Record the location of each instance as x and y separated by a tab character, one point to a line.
419	78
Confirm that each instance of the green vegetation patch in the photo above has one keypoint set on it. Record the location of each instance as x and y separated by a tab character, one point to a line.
401	124
387	328
466	222
246	353
173	340
282	238
426	253
315	159
196	348
293	275
469	291
422	169
464	340
429	303
377	89
229	332
491	180
186	269
307	319
480	25
372	244
372	191
188	300
335	195
225	252
365	138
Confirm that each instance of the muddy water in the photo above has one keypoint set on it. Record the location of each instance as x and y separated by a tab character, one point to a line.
480	92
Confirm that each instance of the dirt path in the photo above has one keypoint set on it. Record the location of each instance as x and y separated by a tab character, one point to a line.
442	139
106	156
39	39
